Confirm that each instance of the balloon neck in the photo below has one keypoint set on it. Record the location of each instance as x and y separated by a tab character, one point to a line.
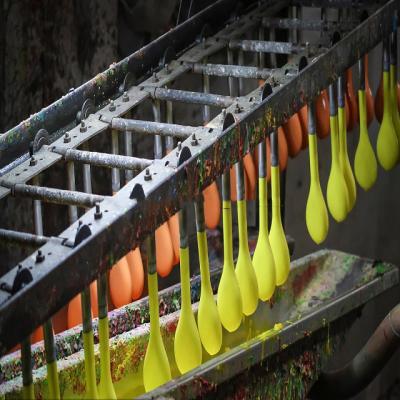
334	139
263	205
153	303
242	223
276	200
185	278
227	222
203	257
312	140
386	92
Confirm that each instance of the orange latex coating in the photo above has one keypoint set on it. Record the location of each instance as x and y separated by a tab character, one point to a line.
93	299
353	107
294	137
164	250
232	173
212	207
347	110
135	264
368	94
304	126
283	149
74	312
322	114
37	335
59	319
120	283
251	173
173	226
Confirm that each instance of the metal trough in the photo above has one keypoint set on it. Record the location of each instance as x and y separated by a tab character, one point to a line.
276	353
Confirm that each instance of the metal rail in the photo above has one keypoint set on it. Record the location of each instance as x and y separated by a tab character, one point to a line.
149	199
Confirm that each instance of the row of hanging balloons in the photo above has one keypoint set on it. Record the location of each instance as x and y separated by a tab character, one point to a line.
255	279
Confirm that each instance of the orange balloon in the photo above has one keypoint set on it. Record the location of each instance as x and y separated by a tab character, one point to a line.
37	335
353	108
212	206
60	320
251	172
74	312
173	226
368	94
283	149
303	117
136	271
322	115
120	283
294	136
164	250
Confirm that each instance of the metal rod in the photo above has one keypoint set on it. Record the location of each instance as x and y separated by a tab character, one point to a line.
231	81
341	90
266	46
72	210
206	89
235	71
361	73
56	196
156	128
128	150
262	170
115	175
169	140
86	171
158	150
23	238
306	25
239	180
184	96
332	100
102	159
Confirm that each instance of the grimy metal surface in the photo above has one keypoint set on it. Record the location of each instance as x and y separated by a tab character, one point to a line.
88	247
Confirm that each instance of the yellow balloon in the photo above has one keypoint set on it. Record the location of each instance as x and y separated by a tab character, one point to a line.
336	195
263	259
277	236
187	345
229	298
344	159
245	273
156	369
365	165
387	145
317	220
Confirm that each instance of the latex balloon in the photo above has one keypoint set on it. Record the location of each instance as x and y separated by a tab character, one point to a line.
187	344
263	259
387	144
173	226
365	165
229	298
337	195
322	115
135	264
294	136
304	123
120	283
164	250
212	209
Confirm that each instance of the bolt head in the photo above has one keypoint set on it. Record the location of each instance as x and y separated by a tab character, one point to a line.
112	106
147	176
32	161
39	256
83	127
67	138
125	97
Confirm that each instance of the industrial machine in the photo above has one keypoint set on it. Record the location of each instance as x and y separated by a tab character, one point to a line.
256	330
